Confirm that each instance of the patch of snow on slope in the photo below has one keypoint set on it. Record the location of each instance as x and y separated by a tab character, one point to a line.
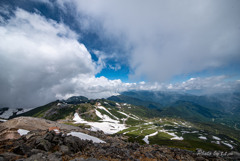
227	144
147	136
86	137
128	116
185	132
78	119
106	127
103	108
22	132
105	118
1	120
148	123
202	137
135	116
175	137
216	138
216	142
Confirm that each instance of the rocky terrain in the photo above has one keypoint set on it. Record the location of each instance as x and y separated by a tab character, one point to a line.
43	143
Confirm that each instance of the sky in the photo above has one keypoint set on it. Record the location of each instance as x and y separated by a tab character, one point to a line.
54	49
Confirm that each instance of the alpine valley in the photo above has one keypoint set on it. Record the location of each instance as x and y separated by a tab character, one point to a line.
159	125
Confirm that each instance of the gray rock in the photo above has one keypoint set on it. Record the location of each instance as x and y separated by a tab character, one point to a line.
36	151
9	156
22	149
64	149
49	136
199	159
55	156
43	145
74	143
88	159
38	157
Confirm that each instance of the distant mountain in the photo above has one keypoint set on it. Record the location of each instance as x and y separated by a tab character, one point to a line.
226	102
76	100
190	111
220	108
136	101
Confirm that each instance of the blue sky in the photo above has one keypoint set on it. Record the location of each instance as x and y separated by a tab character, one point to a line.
98	48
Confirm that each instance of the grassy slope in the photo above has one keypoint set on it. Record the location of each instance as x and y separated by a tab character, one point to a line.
39	111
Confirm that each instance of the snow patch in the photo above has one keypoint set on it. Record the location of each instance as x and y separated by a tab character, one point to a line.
175	137
227	144
128	116
78	119
22	132
216	138
202	137
147	136
107	126
103	108
148	123
185	132
86	137
105	118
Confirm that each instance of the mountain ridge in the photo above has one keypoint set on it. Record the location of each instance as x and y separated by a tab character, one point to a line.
142	124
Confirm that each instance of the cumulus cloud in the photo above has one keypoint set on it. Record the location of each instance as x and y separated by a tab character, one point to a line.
169	38
36	55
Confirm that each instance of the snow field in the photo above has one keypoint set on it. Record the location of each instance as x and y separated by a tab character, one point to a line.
86	137
22	132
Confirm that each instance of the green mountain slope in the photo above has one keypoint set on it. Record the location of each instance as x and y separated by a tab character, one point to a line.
190	111
173	126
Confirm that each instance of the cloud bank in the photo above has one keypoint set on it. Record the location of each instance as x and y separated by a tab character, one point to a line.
167	38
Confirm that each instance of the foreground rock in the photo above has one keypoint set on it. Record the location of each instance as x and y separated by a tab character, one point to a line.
8	129
47	145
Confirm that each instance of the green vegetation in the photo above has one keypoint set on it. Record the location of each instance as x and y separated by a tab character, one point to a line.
39	111
133	122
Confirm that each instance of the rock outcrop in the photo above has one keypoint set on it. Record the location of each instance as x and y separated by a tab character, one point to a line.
47	145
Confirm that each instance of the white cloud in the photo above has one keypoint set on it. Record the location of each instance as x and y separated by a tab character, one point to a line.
171	37
36	55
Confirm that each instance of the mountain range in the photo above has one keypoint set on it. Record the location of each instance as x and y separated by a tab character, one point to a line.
148	118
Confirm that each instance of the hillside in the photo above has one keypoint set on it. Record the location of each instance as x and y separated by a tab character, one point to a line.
144	125
221	108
